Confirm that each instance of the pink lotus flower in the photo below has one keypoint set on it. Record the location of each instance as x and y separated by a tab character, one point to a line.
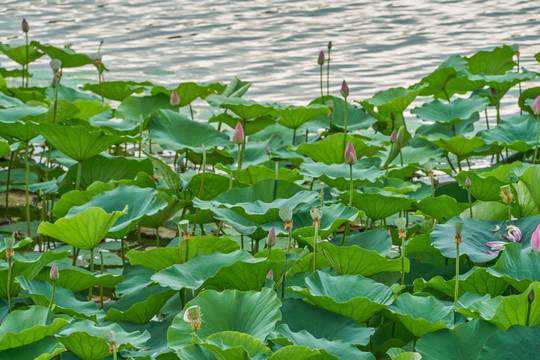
344	89
271	239
350	154
536	106
238	137
535	240
175	99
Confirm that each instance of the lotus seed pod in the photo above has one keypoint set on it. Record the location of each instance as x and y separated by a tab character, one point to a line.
316	213
401	223
110	336
458	227
506	194
238	136
9	241
285	214
55	65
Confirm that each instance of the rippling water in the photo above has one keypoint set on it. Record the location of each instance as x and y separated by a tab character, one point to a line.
377	44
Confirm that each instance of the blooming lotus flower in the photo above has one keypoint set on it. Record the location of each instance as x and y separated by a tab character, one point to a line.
320	60
175	99
536	106
25	27
496	247
514	234
344	89
535	240
54	273
271	238
238	137
350	154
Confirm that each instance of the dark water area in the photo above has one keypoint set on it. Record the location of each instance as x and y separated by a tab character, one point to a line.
376	44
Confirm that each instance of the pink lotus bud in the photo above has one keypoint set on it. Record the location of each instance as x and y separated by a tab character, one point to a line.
350	154
267	149
493	92
514	234
271	238
320	60
393	136
344	89
270	275
536	106
175	99
329	45
531	296
535	240
54	273
238	136
25	26
392	116
467	182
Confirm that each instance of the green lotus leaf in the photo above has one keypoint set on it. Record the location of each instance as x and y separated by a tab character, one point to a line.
501	83
9	101
505	311
171	178
246	109
356	118
64	300
293	117
18	245
438	130
526	203
18	130
393	100
350	295
231	345
214	185
333	217
338	175
66	99
453	112
299	315
381	205
295	352
22	327
495	62
115	126
68	57
517	133
18	53
517	267
105	169
482	188
250	126
530	180
417	155
135	107
377	240
256	173
90	108
189	91
174	205
477	281
86	340
487	210
436	83
87	144
330	150
464	342
252	313
116	90
518	340
457	145
176	132
400	354
140	202
439	207
156	347
354	260
475	235
44	349
161	258
27	268
139	306
84	230
338	348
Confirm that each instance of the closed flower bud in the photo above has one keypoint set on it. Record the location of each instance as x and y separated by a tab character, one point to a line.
344	89
535	240
271	238
393	136
25	27
175	99
350	154
531	296
270	275
467	182
536	106
238	137
329	45
54	273
267	150
55	65
320	60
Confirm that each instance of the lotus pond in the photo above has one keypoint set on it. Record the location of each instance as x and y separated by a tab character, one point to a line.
142	222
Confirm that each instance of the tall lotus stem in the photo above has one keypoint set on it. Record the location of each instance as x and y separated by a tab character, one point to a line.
54	276
101	269
203	166
183	235
458	239
320	61
507	197
96	59
345	94
25	28
531	299
316	214
536	111
402	234
8	181
468	186
26	187
141	126
10	242
239	139
350	158
110	337
328	69
92	271
428	167
56	66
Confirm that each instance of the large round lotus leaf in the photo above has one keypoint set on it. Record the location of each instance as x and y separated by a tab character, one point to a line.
189	91
176	132
330	150
379	205
338	175
517	133
84	230
44	349
140	202
156	346
422	314
494	62
294	116
500	83
457	145
453	112
482	188
356	118
256	173
67	56
393	100
86	339
377	240
354	260
341	349
250	127
8	101
77	141
78	279
475	235
137	108
22	327
231	345
295	352
476	281
505	311
64	300
246	109
299	315
440	206
530	180
517	267
161	258
18	130
487	210
116	90
438	129
350	295
464	342
23	113
435	83
18	53
252	313
516	342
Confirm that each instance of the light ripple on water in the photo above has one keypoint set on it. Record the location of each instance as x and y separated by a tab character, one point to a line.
377	45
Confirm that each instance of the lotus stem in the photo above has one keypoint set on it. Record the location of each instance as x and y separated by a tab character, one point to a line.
123	251
101	286
191	111
157	237
498	108
293	136
345	125
289	242
78	178
487	121
92	271
328	72
8	285
56	85
351	186
203	166
470	202
27	61
432	185
141	126
537	137
240	154
456	290
402	260
51	304
322	96
315	238
26	188
8	182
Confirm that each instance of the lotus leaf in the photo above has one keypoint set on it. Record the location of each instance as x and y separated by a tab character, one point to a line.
518	340
116	90
453	112
246	109
381	205
234	345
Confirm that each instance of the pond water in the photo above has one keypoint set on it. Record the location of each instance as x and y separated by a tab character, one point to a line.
275	44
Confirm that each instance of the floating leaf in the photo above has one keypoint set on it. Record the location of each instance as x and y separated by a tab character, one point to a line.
519	341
